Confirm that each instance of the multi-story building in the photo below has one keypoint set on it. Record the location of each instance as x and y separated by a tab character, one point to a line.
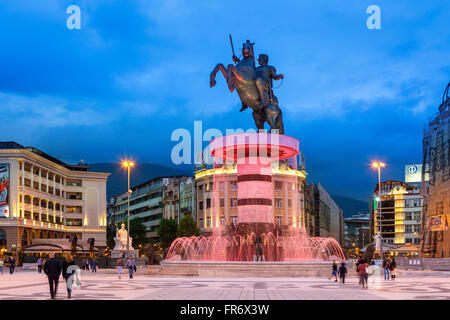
401	213
179	197
146	202
436	182
327	218
288	196
46	198
357	234
156	199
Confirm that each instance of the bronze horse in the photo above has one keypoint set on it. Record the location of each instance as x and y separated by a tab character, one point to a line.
242	77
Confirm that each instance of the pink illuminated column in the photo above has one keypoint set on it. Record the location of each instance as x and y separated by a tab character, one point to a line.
254	179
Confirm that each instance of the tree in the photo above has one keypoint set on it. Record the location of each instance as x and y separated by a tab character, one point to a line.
137	232
110	235
187	227
167	232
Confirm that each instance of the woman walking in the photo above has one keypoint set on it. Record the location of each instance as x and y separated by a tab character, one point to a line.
68	273
119	266
386	269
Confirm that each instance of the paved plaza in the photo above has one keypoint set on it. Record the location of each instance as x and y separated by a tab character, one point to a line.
104	284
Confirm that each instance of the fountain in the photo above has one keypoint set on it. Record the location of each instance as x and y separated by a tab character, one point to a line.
255	245
255	239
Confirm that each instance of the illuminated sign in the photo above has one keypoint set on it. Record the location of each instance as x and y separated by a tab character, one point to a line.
4	190
413	173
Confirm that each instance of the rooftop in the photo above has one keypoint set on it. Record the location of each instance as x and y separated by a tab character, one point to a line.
12	145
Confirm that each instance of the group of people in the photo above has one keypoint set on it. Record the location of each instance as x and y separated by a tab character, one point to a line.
53	269
341	271
389	266
130	265
90	265
363	269
12	264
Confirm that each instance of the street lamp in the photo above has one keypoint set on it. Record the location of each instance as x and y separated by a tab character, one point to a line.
128	165
379	165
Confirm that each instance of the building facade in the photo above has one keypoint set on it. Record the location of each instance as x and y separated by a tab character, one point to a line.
436	182
327	219
357	234
162	197
179	197
48	199
217	198
401	213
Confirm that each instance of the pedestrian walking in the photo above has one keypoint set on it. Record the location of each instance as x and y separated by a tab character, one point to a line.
342	271
131	265
392	267
52	269
334	270
94	264
363	273
1	266
12	264
39	265
119	266
86	264
360	259
386	269
68	272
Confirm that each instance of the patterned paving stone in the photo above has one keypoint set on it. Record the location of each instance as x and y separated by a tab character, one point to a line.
105	285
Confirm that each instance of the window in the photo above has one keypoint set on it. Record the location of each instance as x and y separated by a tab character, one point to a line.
408	240
417	228
233	185
278	203
222	202
278	220
234	219
408	228
221	185
73	183
408	216
233	202
222	221
289	203
200	205
278	186
208	203
208	222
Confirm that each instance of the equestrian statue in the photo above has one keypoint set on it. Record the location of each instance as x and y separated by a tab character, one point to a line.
254	86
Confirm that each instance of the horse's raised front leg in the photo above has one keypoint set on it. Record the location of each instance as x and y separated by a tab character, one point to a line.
234	75
212	77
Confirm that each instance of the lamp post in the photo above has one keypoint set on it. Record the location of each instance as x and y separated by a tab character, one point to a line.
128	165
379	165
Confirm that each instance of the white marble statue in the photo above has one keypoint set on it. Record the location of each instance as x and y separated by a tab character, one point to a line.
121	239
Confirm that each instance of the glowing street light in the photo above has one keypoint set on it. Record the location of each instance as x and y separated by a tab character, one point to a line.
128	165
378	165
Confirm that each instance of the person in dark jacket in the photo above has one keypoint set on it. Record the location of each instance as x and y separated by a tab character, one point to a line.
52	269
12	264
342	271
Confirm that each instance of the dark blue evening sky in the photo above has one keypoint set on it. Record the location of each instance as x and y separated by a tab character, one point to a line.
137	70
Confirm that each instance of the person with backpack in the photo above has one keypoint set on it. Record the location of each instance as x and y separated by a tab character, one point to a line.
342	271
363	275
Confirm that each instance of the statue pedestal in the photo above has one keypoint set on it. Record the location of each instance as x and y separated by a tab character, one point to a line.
120	249
122	253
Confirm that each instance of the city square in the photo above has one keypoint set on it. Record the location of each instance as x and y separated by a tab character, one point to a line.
104	285
169	152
